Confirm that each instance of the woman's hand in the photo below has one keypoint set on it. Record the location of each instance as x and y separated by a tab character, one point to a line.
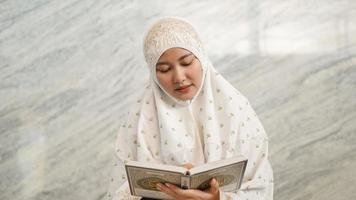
211	194
188	166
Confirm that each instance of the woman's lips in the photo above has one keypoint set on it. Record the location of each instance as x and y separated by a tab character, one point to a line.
183	89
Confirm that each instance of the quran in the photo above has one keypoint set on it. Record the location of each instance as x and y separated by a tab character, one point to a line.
143	177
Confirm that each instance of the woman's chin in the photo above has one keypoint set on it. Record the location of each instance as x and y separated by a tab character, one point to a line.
184	97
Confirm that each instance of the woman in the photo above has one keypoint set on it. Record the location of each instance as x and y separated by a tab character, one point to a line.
190	115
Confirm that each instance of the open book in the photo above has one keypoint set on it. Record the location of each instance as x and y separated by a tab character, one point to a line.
143	177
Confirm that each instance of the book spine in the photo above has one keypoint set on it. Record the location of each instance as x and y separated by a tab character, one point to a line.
185	182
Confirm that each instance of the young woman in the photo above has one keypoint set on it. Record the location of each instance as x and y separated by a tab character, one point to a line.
190	115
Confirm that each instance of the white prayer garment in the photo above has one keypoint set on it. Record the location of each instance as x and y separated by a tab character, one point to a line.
217	123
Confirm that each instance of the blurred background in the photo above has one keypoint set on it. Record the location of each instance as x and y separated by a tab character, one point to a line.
69	71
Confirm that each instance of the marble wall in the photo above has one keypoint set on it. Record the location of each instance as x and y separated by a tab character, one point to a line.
69	70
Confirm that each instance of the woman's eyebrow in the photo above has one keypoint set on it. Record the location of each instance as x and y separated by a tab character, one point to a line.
162	63
186	55
181	58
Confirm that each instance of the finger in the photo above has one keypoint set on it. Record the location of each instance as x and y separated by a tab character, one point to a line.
188	165
214	186
185	194
167	190
176	190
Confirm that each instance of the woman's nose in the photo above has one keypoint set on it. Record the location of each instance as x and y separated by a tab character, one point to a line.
179	75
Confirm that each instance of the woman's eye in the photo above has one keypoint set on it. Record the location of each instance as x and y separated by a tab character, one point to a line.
163	70
186	63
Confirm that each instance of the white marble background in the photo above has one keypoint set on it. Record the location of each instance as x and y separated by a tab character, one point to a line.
70	69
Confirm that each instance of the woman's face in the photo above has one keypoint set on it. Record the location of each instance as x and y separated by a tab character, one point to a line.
180	73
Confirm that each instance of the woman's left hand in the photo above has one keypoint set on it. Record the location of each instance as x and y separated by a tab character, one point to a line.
179	194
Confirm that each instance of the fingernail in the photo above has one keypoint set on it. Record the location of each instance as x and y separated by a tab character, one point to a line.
168	185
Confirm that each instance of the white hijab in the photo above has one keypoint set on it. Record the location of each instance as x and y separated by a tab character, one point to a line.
217	123
165	129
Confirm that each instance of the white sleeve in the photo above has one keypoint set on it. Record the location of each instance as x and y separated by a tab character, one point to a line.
125	149
257	183
118	187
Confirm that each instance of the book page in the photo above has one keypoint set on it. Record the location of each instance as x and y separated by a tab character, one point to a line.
229	177
156	166
217	164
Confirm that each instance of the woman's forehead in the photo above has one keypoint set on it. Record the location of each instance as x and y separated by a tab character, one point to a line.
172	53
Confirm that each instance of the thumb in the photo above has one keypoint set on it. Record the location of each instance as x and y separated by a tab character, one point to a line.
188	165
214	186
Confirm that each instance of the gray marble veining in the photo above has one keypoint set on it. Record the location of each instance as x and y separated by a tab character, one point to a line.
69	71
